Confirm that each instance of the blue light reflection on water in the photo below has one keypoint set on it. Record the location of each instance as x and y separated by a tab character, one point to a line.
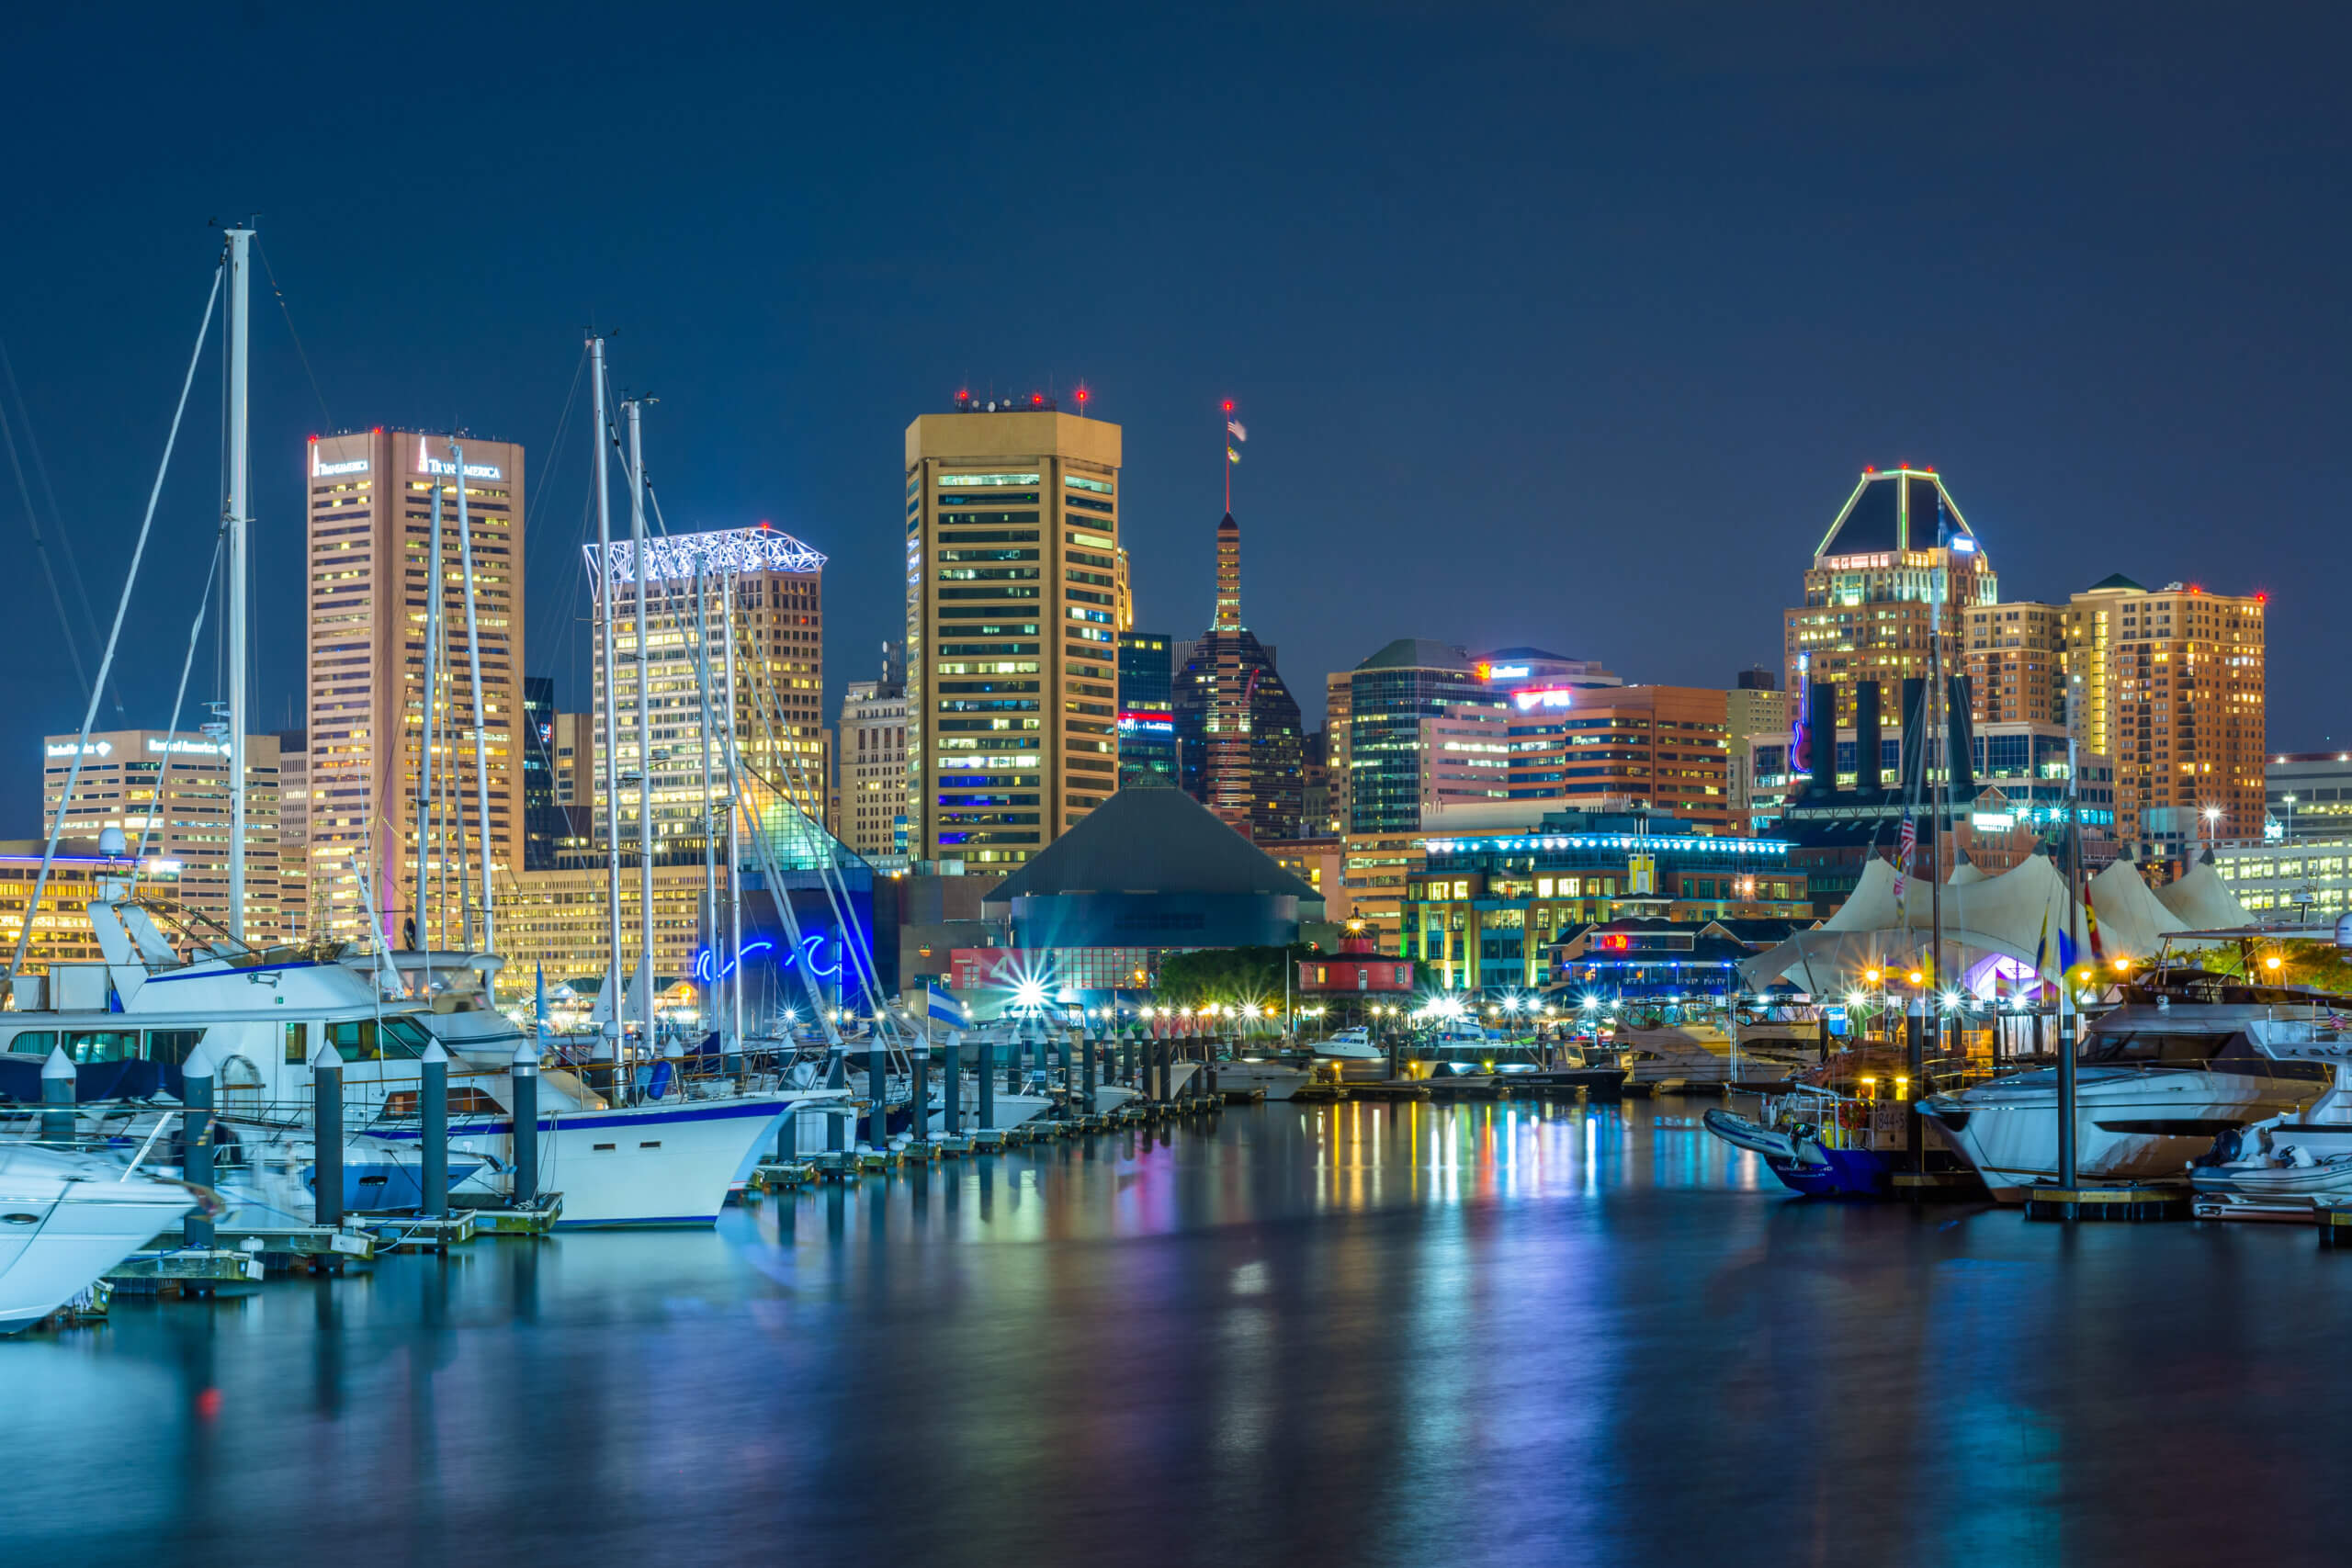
1355	1333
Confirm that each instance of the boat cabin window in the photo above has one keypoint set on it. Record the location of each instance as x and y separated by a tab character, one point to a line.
463	1101
102	1044
377	1040
2152	1046
168	1046
172	1045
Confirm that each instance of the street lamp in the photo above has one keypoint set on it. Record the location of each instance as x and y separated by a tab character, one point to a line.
2212	824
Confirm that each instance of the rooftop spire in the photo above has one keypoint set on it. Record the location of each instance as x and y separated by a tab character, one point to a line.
1228	575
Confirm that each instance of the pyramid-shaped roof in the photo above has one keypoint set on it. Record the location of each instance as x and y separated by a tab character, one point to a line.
1894	511
1418	653
1151	841
2115	582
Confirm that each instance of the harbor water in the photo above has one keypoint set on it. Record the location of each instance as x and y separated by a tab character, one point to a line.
1360	1334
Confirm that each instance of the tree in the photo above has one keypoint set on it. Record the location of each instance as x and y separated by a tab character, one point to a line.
1232	974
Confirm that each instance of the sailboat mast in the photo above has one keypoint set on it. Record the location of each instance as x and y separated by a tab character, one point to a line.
611	696
709	822
425	781
636	408
734	844
240	546
473	671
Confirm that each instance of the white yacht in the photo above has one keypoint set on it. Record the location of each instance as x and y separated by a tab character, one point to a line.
1663	1053
66	1219
1278	1079
2158	1079
268	1015
1354	1044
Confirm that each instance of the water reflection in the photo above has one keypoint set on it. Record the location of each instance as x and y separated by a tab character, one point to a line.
1354	1333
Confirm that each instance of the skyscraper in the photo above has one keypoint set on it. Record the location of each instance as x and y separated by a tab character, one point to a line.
544	822
1337	710
2015	659
776	606
1869	594
873	750
170	792
1389	694
370	532
1240	735
1013	624
2169	684
1146	712
293	831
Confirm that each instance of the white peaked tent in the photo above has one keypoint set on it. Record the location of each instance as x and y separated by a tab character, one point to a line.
2018	914
2131	922
1965	875
2203	901
1871	905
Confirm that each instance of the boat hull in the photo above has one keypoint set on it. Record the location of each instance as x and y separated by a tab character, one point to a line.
65	1221
1279	1079
2282	1167
2132	1125
648	1165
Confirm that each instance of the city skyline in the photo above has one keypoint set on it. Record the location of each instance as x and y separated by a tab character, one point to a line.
2084	445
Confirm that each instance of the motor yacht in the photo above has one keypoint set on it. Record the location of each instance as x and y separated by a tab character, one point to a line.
1352	1045
1669	1053
1280	1079
67	1218
2158	1079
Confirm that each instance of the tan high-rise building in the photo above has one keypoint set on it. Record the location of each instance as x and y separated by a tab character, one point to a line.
371	531
170	793
1869	596
2170	685
572	749
1014	604
1755	707
778	611
2015	662
1337	708
294	831
873	748
1665	745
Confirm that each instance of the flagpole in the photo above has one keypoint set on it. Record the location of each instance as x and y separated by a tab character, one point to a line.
2066	1066
1224	450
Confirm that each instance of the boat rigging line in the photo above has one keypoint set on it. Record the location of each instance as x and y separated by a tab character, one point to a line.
114	638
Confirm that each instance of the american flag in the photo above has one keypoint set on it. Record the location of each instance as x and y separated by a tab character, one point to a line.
1904	844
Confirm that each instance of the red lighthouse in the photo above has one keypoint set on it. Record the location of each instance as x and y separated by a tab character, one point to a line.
1361	969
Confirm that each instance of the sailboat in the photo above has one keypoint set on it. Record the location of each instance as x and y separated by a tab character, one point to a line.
268	1018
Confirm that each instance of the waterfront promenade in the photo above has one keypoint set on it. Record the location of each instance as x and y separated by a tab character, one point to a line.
1360	1334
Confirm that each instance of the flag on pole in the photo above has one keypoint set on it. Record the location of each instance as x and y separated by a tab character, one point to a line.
1233	428
1231	455
942	1005
1904	844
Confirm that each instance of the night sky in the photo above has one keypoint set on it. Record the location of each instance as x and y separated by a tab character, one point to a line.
1556	325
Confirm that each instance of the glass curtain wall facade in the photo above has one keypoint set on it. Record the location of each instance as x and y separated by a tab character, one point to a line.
1388	696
